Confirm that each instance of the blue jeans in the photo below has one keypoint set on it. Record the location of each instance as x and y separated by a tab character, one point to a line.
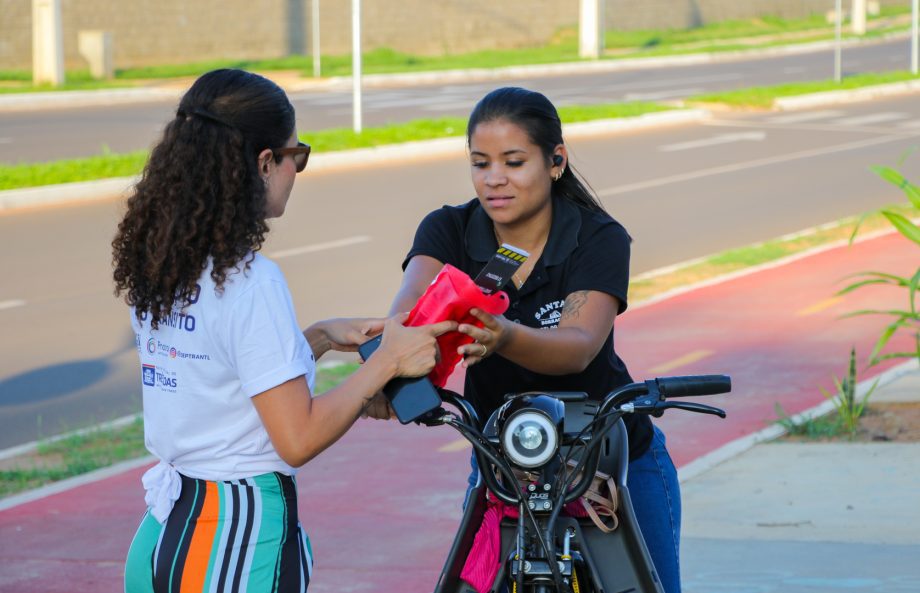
655	494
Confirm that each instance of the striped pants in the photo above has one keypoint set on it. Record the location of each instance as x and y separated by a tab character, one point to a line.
239	536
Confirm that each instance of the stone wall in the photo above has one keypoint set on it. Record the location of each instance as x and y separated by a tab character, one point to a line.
629	15
148	32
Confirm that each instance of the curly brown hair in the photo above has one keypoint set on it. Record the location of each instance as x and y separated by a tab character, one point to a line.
201	196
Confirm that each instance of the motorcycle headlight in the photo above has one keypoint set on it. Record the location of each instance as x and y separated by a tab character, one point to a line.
529	438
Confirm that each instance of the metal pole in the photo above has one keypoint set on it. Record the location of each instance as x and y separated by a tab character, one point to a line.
839	15
314	22
356	63
914	35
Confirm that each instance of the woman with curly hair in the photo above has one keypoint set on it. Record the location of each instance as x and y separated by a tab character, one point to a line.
227	374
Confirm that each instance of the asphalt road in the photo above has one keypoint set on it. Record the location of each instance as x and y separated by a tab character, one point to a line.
67	356
37	136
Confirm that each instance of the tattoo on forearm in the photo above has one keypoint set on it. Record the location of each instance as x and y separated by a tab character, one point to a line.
573	304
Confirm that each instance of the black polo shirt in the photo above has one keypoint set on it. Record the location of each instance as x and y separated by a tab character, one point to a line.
585	251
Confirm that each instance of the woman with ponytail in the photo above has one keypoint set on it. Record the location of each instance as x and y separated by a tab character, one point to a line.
226	372
574	283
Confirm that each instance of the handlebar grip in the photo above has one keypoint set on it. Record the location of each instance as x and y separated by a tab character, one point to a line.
693	385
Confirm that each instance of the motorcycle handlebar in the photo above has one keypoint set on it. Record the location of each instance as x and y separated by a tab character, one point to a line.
693	386
660	389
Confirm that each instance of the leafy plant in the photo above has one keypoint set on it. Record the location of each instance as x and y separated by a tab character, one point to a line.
818	427
848	409
902	319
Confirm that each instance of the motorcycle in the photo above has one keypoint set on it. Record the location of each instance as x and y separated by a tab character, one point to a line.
537	454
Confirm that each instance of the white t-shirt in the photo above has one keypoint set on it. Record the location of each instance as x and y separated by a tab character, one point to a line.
201	365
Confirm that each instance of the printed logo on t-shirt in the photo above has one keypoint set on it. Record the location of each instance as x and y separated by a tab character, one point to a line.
167	351
149	375
151	346
137	342
166	380
550	314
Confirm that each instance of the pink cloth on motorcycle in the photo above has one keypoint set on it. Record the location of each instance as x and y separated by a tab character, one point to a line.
451	296
484	559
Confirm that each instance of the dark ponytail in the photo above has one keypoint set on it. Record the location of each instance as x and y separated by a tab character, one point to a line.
536	115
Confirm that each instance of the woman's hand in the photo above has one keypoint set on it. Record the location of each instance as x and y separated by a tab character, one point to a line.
487	339
342	334
378	408
412	350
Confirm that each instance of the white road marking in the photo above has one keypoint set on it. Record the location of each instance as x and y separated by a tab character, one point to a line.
653	84
661	94
911	124
320	247
872	118
715	141
447	106
796	118
11	304
699	174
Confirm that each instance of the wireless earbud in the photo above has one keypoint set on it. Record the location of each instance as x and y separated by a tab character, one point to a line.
557	159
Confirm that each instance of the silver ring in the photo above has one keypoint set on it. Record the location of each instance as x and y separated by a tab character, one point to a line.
484	349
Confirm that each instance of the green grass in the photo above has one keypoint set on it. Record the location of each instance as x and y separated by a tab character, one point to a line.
818	428
328	377
714	37
13	176
82	453
71	170
764	96
19	81
75	455
733	260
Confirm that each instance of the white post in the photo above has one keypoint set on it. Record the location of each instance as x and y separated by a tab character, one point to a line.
915	17
96	49
839	17
591	29
47	42
356	64
314	34
858	17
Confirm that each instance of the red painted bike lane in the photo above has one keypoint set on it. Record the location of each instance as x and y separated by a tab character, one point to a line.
381	506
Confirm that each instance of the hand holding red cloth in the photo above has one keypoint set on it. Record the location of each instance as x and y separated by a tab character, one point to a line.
451	296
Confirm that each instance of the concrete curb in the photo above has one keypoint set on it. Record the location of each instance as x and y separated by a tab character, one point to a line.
769	265
74	482
97	98
605	65
119	187
846	96
737	447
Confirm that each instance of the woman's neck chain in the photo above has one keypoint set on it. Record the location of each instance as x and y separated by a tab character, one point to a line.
522	273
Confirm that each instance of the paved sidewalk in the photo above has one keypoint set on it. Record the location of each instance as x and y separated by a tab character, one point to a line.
809	517
381	505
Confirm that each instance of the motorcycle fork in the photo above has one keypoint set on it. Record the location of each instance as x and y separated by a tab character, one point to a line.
530	567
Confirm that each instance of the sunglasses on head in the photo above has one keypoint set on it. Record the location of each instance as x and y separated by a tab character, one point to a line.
301	154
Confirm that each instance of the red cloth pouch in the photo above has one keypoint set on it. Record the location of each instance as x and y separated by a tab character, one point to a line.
451	296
